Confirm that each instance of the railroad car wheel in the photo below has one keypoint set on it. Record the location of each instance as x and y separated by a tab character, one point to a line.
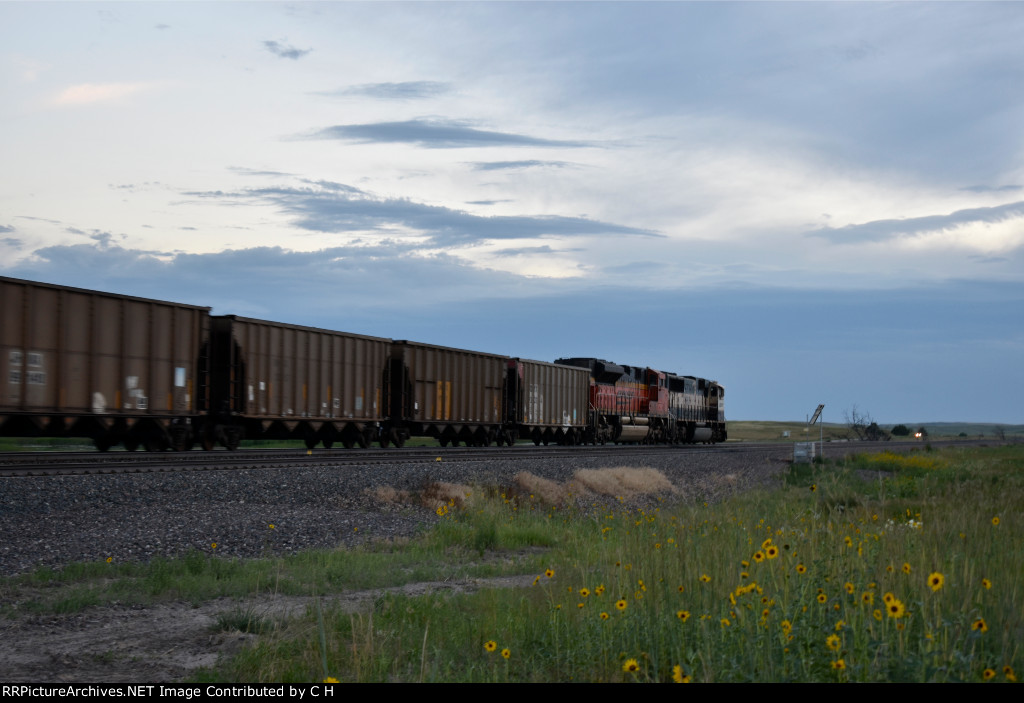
153	444
311	442
396	437
208	444
348	442
384	441
328	443
131	444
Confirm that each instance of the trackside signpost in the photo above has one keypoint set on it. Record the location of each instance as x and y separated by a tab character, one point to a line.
821	430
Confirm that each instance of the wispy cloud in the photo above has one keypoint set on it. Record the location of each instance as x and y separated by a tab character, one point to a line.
993	189
407	90
883	230
435	134
284	51
325	206
87	93
515	165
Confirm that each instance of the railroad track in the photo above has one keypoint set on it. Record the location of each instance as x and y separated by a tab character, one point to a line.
84	463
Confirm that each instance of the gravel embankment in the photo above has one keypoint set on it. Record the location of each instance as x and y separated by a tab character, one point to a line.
52	521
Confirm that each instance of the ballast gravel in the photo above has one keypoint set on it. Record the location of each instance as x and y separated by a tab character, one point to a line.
54	521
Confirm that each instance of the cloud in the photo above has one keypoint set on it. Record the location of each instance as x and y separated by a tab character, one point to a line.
285	51
244	171
434	134
11	241
408	90
993	189
531	163
88	93
324	206
5	228
526	251
885	230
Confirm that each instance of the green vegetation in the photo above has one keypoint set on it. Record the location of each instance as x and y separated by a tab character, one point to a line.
867	570
878	567
757	431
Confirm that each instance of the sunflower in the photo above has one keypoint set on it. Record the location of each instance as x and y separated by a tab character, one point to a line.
490	646
678	676
604	615
771	552
786	626
801	569
895	609
1008	673
849	587
877	615
814	487
681	589
725	622
822	598
767	543
833	642
839	664
507	653
935	581
683	615
550	573
867	598
631	666
906	568
995	521
621	604
758	556
888	597
988	674
986	583
584	592
979	625
704	578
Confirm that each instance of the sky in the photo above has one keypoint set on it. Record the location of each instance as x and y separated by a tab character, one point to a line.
807	202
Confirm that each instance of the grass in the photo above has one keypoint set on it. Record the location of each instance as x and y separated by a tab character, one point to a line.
878	567
782	585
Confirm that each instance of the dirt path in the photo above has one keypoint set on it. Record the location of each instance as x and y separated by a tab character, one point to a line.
163	643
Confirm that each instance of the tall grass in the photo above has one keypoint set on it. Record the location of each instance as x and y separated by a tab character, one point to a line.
879	568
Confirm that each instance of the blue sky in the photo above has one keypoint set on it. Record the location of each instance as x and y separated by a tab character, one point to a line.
809	202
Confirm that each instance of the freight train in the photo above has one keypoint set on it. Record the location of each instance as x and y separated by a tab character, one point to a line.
159	375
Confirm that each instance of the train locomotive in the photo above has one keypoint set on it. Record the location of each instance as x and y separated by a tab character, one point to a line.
160	375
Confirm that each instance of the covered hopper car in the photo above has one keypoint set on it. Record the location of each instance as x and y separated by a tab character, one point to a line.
139	372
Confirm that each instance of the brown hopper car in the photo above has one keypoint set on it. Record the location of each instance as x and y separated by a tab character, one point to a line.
160	375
